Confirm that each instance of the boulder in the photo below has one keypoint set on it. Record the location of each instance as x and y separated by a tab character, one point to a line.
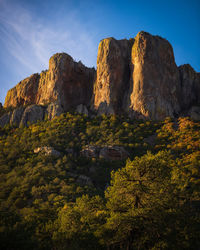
32	114
50	151
90	151
82	109
113	153
52	110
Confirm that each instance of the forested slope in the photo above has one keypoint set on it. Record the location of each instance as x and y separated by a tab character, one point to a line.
71	200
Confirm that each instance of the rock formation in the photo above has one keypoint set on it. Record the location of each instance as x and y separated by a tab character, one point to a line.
50	151
109	153
190	86
155	83
24	93
113	75
138	77
66	82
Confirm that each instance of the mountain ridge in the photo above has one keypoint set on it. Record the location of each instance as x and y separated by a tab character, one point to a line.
138	77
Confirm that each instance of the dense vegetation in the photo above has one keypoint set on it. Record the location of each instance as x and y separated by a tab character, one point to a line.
150	201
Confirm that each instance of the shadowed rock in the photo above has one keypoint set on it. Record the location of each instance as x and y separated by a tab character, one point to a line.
190	86
5	119
32	114
16	116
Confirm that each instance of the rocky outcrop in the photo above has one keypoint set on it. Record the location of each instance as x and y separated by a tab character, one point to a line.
109	153
138	77
16	116
113	153
23	116
5	119
67	83
90	151
52	110
24	93
113	74
190	86
32	114
82	109
50	151
154	83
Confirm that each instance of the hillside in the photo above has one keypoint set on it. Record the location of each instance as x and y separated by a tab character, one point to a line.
107	182
105	158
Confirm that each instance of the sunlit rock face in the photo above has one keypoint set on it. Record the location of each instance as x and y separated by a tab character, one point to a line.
24	93
154	83
137	77
113	75
66	82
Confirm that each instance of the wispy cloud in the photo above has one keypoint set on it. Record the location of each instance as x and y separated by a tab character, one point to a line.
31	42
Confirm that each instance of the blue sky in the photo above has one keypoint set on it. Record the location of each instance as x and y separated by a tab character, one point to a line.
33	30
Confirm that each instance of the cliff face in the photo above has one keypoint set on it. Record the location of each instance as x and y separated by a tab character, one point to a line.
137	76
140	77
113	75
23	93
66	82
154	83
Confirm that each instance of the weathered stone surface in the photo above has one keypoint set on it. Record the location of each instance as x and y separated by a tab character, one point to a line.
47	151
32	114
53	109
25	92
113	75
113	153
190	86
137	76
82	109
90	151
66	82
5	119
155	83
16	116
194	113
